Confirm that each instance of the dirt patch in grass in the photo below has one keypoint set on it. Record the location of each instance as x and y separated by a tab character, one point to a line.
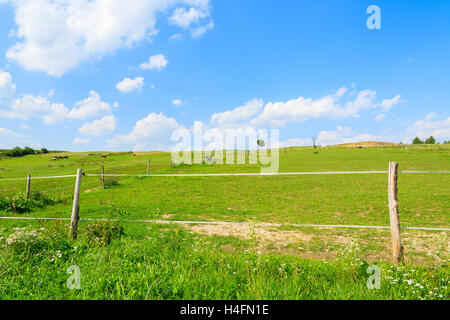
93	189
263	233
434	246
421	248
269	238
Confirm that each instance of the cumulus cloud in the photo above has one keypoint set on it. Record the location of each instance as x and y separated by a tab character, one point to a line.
342	135
78	140
238	116
7	88
30	106
129	85
278	114
157	62
152	132
40	106
90	107
98	128
56	36
197	19
184	18
430	126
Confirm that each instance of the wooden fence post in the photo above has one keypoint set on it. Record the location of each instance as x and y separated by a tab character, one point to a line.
76	207
397	249
148	167
28	186
103	177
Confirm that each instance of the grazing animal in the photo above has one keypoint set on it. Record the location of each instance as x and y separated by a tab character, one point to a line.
58	158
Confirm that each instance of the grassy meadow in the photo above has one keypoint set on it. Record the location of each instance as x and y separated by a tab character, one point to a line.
267	257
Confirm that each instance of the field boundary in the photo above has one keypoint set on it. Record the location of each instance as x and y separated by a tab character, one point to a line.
229	223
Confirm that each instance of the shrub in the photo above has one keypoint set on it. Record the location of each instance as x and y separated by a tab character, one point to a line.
103	232
111	181
19	152
20	204
41	199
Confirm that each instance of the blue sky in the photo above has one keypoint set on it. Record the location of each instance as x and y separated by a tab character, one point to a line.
78	75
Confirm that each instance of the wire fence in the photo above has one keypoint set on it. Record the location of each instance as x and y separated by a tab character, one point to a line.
93	181
223	174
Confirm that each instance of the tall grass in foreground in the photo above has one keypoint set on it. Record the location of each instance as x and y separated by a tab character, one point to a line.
166	262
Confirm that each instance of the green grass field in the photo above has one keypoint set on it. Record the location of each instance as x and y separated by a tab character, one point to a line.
269	258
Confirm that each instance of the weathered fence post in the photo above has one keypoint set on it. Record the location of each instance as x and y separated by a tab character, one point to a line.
397	249
148	167
76	207
103	177
28	186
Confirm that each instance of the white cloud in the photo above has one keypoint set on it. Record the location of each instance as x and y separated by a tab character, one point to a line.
380	117
343	135
156	62
81	141
97	128
7	133
430	126
197	19
199	31
177	102
90	107
389	103
238	116
25	126
176	36
56	36
7	88
296	142
30	106
129	85
152	132
278	114
184	18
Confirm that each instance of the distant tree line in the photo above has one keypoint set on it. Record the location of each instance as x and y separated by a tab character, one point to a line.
19	152
430	140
